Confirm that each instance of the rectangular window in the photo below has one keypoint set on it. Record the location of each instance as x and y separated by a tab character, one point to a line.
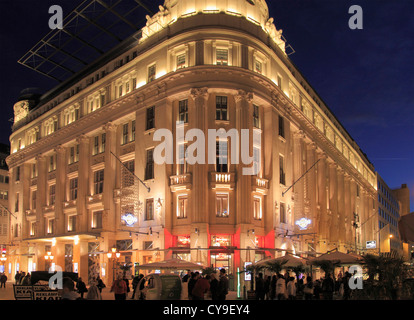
221	108
258	66
97	220
181	61
133	131
34	195
282	213
51	226
71	223
103	142
149	168
182	163
125	133
182	207
222	205
222	56
256	117
16	203
221	156
73	189
17	173
183	111
52	163
282	176
33	229
256	160
150	124
281	127
279	82
96	145
257	208
16	230
149	209
98	181
151	72
52	194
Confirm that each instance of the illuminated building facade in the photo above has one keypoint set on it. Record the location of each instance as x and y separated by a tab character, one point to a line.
211	65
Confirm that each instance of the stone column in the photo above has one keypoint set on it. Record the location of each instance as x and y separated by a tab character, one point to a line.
341	208
83	183
110	178
322	220
311	187
298	189
333	202
348	210
41	195
60	189
244	209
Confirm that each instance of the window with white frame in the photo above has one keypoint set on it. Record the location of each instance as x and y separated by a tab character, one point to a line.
182	202
257	208
222	205
96	101
71	114
152	70
181	60
222	56
50	125
98	181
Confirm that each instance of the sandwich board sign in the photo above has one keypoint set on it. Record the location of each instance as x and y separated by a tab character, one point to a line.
23	292
35	293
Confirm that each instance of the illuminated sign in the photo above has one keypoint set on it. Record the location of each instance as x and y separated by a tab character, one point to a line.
184	240
247	275
303	223
129	219
371	244
220	241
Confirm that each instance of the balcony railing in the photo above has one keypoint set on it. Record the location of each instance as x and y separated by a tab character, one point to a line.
260	184
181	181
222	179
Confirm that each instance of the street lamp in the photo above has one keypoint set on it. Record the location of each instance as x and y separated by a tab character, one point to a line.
114	254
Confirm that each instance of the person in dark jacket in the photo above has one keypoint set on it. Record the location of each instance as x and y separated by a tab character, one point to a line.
3	280
100	284
214	286
328	287
191	284
260	287
81	287
127	285
223	285
267	287
273	288
135	282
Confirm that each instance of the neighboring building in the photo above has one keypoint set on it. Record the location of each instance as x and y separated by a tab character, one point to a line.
4	204
214	66
388	217
403	195
406	227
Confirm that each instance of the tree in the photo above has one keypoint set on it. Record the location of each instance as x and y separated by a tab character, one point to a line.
327	266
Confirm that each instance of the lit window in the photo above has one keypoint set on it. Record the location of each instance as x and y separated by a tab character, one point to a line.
183	111
258	66
73	189
182	163
151	72
221	108
125	134
149	209
256	117
221	156
257	208
282	213
222	57
97	220
181	60
222	205
52	194
182	207
72	223
98	181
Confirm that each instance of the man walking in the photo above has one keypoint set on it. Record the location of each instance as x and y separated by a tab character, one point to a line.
223	285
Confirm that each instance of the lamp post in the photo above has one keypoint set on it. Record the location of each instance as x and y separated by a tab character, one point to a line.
356	226
113	254
49	257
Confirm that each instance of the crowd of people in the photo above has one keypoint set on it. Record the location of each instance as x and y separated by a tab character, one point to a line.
209	286
282	287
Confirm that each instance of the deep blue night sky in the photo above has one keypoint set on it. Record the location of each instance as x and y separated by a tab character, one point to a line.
366	77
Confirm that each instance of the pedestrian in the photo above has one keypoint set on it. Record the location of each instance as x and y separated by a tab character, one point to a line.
119	288
223	285
17	278
191	283
187	276
100	284
291	289
26	281
214	287
135	282
260	287
317	290
345	284
3	280
328	287
68	289
93	293
273	288
81	287
201	287
127	285
308	290
267	287
280	287
22	275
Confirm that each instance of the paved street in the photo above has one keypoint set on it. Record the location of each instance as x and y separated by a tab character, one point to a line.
7	293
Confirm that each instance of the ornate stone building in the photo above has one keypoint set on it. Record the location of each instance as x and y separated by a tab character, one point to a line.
211	65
